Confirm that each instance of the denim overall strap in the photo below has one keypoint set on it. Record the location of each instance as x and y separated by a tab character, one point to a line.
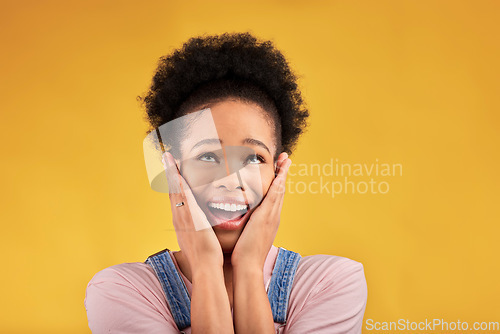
281	282
173	286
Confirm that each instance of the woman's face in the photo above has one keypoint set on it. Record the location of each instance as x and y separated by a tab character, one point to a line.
227	160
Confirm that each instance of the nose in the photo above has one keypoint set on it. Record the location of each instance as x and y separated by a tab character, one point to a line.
231	182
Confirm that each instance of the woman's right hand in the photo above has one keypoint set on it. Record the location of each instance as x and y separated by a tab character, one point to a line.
210	306
195	235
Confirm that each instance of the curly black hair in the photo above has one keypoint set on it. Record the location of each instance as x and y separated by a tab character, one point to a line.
213	68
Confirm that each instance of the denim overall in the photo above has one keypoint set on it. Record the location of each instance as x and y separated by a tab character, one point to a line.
179	301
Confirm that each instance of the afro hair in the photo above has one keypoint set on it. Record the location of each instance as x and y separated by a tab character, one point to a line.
215	67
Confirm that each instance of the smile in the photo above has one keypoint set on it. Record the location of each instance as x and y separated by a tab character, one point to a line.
228	206
228	213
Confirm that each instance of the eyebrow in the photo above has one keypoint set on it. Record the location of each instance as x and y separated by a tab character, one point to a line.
250	141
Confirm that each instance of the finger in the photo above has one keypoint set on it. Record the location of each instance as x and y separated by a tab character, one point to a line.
282	157
280	188
283	168
172	172
183	193
175	193
279	162
199	218
277	188
281	177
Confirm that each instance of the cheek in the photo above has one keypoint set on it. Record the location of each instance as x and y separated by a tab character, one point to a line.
258	180
199	175
201	195
266	178
195	180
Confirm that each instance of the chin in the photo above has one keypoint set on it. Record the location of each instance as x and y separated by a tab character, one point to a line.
228	216
228	234
228	240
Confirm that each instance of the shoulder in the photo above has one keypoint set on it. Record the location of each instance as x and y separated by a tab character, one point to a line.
322	269
125	281
132	274
329	295
127	296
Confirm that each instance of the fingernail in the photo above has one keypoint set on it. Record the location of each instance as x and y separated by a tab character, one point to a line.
169	159
282	158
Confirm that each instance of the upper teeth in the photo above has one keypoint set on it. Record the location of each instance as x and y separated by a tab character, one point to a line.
227	206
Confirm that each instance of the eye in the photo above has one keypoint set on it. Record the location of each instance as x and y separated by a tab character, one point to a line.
208	157
255	159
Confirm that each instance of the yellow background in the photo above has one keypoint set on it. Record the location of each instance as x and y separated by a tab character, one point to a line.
409	82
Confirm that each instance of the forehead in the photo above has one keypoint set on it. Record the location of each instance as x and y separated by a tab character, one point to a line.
230	121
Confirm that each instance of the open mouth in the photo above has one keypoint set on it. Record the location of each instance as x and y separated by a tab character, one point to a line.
227	211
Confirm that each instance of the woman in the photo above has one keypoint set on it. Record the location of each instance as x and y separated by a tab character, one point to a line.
226	171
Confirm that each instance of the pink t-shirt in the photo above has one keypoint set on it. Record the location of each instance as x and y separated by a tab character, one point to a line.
328	296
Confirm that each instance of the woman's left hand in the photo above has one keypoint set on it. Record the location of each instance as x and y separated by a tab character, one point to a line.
258	235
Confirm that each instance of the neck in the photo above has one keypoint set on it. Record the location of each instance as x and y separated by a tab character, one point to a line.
227	259
228	272
186	270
